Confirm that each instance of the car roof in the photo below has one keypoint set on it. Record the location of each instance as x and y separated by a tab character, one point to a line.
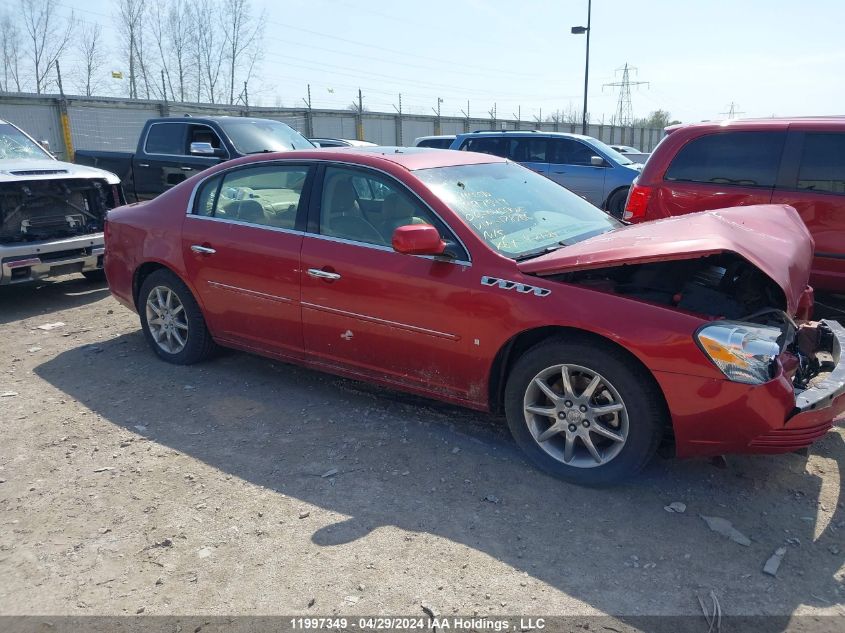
538	133
410	158
779	122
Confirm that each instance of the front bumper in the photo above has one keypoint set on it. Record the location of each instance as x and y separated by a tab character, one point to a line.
29	261
717	417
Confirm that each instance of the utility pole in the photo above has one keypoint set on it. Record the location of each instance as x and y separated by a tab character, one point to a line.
437	120
359	123
309	123
399	140
732	111
492	114
518	116
164	109
466	117
539	119
581	30
64	119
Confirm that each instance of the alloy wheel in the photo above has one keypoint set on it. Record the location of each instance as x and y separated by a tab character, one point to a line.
576	416
167	320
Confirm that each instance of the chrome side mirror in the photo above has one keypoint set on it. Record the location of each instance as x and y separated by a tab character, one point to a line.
204	149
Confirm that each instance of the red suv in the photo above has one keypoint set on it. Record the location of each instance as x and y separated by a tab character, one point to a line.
799	162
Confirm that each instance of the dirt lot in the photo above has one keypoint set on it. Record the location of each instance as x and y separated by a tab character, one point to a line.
248	486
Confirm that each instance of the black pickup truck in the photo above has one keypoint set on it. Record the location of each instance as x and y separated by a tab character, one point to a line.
175	148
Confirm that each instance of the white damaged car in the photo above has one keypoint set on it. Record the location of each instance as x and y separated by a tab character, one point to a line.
51	212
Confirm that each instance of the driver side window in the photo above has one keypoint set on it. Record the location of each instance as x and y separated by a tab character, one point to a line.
362	206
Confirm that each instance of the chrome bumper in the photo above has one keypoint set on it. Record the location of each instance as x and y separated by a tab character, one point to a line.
29	261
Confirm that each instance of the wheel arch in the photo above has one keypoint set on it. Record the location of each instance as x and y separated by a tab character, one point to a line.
613	192
520	343
145	270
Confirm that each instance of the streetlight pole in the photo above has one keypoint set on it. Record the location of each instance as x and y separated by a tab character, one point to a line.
581	30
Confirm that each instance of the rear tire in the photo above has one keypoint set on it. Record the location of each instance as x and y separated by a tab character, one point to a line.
598	426
172	320
616	203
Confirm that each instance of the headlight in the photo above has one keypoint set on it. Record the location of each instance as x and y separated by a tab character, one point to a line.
743	351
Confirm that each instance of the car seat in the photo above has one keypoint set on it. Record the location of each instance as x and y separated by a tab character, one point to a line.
343	217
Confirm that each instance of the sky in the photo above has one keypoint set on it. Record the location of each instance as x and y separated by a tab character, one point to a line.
773	57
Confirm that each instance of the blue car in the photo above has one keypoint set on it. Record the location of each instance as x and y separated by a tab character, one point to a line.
582	164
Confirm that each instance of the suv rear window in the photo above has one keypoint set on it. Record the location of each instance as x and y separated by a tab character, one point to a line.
823	163
749	159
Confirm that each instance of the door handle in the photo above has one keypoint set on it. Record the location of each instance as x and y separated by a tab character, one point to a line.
323	274
203	250
186	168
143	164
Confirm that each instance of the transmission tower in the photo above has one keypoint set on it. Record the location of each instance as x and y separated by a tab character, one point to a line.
624	111
732	112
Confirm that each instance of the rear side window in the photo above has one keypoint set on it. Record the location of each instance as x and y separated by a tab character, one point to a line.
487	145
207	196
528	150
823	163
749	159
437	143
166	138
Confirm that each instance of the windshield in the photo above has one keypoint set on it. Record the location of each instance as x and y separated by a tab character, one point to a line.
15	144
516	211
607	149
253	136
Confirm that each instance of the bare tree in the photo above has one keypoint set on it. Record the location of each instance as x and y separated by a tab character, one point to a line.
211	47
92	57
244	35
10	43
46	38
130	14
173	29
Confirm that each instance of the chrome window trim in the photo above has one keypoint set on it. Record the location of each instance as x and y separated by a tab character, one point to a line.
277	229
186	124
189	210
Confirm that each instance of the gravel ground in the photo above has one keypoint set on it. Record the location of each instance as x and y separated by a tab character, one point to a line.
248	486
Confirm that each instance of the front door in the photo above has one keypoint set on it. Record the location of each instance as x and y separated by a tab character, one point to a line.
367	308
241	245
570	165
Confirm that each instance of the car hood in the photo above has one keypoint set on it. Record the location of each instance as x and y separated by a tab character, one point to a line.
772	237
17	170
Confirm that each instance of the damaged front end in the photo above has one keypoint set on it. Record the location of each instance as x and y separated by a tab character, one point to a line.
39	210
749	333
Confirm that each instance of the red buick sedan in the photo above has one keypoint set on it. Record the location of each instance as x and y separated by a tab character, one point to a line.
470	279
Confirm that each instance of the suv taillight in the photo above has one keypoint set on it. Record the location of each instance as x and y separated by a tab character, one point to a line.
635	207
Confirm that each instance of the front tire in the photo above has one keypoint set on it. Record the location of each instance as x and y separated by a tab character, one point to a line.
172	321
616	203
583	412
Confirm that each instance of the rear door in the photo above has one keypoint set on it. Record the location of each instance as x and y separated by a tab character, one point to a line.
571	166
371	310
724	169
241	243
530	152
813	181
